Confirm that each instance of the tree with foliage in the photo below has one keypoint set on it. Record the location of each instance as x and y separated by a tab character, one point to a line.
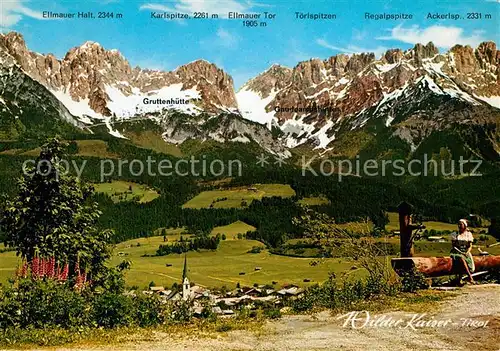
202	242
333	241
53	215
494	228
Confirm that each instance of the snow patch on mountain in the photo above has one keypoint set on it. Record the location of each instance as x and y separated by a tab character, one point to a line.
80	109
298	132
460	94
112	131
295	131
431	84
386	67
253	107
390	96
321	136
127	106
491	100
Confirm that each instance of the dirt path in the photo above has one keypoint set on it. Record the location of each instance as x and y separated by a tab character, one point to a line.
325	332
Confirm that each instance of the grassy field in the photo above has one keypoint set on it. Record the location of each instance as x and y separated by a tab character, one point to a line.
94	148
314	201
126	191
208	268
394	224
233	229
237	197
221	267
8	264
86	148
153	141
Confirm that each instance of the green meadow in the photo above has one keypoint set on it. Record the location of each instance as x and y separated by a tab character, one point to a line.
120	190
439	226
229	265
238	197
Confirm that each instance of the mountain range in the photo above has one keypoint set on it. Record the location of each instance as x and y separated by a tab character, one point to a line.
343	105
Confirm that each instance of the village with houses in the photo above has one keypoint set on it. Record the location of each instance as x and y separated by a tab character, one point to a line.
224	303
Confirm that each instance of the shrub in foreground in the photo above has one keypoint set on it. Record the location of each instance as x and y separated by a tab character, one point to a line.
337	295
50	304
41	304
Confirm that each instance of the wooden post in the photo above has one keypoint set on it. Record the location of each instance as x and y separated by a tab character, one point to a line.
405	229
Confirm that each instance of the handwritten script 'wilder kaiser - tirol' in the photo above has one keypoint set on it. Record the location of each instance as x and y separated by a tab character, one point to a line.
415	321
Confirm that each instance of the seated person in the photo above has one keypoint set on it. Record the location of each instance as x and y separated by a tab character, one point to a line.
461	250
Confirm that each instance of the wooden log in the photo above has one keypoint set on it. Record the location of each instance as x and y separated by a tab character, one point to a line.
439	266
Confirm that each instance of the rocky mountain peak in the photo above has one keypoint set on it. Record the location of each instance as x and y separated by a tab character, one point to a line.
310	101
101	82
309	72
393	56
338	64
358	62
420	52
273	79
215	86
487	54
13	41
14	44
464	58
323	94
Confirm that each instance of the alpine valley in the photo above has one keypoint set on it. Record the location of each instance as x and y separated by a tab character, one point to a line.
402	105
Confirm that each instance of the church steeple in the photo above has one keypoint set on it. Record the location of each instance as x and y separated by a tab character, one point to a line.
186	286
185	269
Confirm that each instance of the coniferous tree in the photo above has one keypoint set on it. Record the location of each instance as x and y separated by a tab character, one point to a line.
52	215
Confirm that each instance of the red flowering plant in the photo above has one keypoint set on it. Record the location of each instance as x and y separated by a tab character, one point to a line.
52	223
40	268
48	268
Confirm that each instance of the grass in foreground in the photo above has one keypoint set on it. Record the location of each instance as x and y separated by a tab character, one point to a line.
98	337
420	302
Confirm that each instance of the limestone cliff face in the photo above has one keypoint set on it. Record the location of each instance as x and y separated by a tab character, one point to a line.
344	86
216	87
27	108
476	71
86	71
274	79
352	83
315	101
